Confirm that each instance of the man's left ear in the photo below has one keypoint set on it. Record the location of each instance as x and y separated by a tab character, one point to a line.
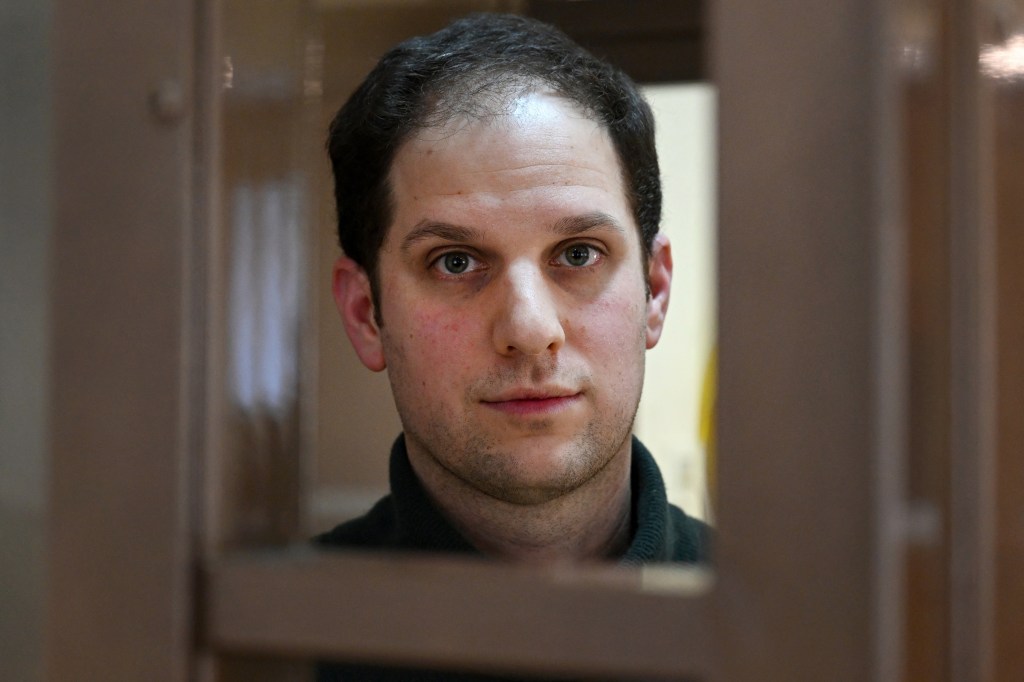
659	277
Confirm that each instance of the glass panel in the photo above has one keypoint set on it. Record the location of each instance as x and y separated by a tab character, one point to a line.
357	420
1002	61
302	428
675	415
925	117
305	428
776	591
268	82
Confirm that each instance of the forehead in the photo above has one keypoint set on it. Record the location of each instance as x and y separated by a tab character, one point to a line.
541	155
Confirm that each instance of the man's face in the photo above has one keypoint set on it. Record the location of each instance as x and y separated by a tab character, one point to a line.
513	301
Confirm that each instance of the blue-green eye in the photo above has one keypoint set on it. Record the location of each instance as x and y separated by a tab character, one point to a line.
455	263
579	255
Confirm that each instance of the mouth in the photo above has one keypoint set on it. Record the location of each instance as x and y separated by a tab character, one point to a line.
533	402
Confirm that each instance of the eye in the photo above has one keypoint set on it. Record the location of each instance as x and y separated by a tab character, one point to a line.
455	263
579	255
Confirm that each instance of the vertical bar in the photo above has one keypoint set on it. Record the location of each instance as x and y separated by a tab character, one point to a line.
890	357
802	158
120	560
1008	145
26	179
973	344
925	142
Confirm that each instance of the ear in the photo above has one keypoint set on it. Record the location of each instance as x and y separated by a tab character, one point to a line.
354	299
660	281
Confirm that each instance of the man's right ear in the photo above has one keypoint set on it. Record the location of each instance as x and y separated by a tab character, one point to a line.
354	299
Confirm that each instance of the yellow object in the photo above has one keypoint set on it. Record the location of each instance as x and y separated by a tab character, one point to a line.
708	400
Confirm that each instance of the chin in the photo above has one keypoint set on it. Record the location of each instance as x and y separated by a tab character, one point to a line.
539	471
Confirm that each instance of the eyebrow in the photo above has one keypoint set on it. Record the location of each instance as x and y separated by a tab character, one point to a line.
573	225
568	226
430	228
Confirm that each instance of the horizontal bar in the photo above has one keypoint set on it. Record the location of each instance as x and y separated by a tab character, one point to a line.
458	613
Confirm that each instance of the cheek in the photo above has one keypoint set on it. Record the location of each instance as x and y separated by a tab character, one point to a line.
439	337
614	328
613	340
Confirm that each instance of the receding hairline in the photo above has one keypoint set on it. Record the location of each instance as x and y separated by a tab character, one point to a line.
508	100
474	68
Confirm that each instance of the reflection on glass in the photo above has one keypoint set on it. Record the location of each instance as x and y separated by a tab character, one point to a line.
918	31
264	295
1004	61
285	69
268	75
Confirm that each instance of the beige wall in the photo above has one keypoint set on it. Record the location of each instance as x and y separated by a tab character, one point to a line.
668	419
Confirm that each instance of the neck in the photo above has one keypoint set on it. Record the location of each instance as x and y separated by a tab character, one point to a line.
589	523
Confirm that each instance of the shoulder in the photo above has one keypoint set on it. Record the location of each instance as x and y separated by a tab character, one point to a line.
376	528
690	538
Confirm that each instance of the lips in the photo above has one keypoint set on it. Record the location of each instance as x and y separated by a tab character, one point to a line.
527	402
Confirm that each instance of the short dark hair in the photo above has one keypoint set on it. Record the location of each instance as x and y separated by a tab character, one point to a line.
465	70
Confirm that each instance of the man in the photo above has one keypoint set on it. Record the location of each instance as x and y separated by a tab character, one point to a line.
498	202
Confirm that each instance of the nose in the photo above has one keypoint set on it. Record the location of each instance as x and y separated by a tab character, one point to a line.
526	316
